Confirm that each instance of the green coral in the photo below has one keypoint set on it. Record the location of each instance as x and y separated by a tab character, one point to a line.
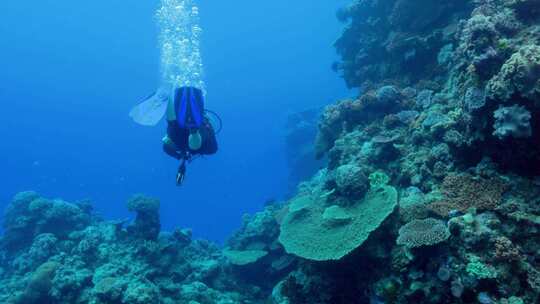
503	45
316	235
512	300
478	269
378	179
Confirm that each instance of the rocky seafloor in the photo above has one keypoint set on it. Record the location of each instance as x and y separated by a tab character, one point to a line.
430	192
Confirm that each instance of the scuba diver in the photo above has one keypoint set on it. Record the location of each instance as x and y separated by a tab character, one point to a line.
180	98
189	131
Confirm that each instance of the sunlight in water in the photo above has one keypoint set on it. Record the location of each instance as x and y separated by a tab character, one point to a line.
179	40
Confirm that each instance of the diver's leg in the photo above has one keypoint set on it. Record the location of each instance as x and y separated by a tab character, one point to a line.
170	148
209	145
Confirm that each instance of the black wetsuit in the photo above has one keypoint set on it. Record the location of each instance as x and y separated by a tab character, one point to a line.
180	140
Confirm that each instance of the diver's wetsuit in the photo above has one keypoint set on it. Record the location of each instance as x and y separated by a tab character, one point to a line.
180	139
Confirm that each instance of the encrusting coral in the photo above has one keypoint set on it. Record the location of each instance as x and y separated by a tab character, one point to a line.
462	192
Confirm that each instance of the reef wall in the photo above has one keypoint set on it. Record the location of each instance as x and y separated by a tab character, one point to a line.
300	134
448	116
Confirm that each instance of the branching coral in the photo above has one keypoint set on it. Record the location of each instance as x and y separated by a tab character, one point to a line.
479	33
479	269
519	75
505	250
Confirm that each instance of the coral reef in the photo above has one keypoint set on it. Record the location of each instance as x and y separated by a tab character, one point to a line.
429	193
97	261
448	110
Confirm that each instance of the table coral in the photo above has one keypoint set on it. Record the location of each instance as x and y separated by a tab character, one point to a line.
309	235
241	258
419	233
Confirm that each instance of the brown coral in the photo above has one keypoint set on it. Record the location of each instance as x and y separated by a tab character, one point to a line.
505	250
462	192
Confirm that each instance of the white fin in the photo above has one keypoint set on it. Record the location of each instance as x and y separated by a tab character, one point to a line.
151	110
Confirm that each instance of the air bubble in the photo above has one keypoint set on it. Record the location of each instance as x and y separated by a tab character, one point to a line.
181	62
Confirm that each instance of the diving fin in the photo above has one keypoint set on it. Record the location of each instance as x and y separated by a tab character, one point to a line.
152	109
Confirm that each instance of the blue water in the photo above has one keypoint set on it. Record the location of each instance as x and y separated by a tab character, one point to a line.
71	70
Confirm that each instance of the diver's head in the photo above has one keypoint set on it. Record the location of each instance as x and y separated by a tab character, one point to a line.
195	140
